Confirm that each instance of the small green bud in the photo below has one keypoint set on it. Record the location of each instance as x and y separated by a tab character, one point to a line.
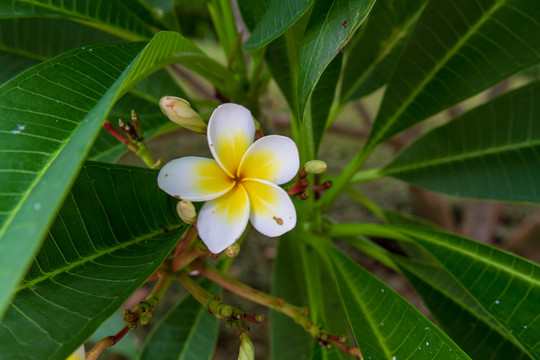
233	250
186	211
226	311
179	111
315	167
247	352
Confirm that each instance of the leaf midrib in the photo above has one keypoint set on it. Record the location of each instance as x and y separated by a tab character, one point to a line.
372	324
412	95
74	264
95	21
494	150
484	260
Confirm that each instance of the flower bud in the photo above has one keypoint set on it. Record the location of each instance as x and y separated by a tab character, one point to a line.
315	167
247	352
186	211
179	111
232	250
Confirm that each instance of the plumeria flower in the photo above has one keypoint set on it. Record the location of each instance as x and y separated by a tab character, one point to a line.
240	183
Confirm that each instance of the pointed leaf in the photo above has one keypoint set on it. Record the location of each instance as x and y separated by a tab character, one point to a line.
330	27
50	116
505	285
458	49
277	18
376	48
96	254
384	324
187	332
322	99
490	152
124	19
458	314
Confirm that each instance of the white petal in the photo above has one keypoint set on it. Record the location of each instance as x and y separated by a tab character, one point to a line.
222	221
273	158
194	178
272	211
230	133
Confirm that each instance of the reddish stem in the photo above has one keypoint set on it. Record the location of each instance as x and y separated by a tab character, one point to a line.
105	343
112	130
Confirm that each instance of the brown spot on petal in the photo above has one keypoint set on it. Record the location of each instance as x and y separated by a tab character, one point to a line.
166	175
177	196
279	221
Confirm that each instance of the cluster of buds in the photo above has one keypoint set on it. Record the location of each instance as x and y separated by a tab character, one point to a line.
301	184
133	137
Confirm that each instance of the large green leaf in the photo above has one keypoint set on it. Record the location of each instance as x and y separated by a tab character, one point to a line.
321	101
330	27
490	152
277	18
325	308
384	324
95	255
49	37
50	116
287	339
128	20
187	332
505	285
457	312
283	53
458	48
376	48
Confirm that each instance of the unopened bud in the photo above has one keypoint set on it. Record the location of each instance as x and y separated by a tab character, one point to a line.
179	111
247	352
315	167
186	211
232	250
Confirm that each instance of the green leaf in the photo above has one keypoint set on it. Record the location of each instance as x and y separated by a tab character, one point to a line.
282	55
278	17
96	254
505	285
127	20
325	308
322	99
330	27
458	49
385	325
490	152
376	48
50	116
187	332
49	38
287	339
144	99
458	313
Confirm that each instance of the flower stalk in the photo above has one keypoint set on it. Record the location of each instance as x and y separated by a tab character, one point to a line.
298	314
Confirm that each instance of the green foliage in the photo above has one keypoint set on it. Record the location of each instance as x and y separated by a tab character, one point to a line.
79	234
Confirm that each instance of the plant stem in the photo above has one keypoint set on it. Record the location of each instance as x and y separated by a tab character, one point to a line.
298	314
146	156
187	257
94	353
